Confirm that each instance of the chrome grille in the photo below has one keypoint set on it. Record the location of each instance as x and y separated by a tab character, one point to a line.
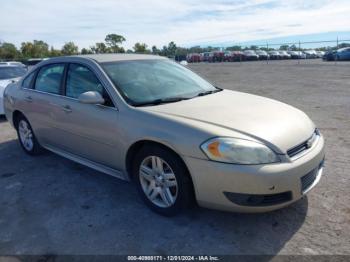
294	151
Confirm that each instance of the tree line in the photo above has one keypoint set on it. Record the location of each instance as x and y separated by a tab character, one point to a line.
113	44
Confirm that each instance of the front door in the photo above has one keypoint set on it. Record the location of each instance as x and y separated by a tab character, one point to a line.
89	131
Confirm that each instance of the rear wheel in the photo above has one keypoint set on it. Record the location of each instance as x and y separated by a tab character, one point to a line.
162	180
27	138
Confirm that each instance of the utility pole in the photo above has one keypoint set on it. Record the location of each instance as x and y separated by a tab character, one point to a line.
267	51
335	58
299	54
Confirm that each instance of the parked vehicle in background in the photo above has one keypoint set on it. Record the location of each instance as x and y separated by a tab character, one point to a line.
237	56
310	54
228	56
330	55
274	55
250	55
179	138
193	58
33	61
320	54
14	63
179	58
206	57
302	55
8	74
284	54
263	55
343	54
218	56
296	54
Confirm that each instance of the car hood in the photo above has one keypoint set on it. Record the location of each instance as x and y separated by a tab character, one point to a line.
267	120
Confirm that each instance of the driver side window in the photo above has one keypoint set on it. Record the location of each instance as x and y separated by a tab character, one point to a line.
80	79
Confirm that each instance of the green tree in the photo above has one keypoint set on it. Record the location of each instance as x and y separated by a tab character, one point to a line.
234	48
293	48
100	48
253	47
171	50
284	47
140	48
342	45
85	51
113	41
35	49
164	51
8	51
54	52
155	50
70	48
194	49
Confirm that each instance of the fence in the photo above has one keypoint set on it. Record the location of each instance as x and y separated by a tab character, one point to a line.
299	46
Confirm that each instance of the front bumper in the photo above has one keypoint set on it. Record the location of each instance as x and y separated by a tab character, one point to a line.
213	181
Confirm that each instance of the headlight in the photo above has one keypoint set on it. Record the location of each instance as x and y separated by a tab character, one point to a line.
238	151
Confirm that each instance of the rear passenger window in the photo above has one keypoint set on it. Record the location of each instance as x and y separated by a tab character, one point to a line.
49	79
27	82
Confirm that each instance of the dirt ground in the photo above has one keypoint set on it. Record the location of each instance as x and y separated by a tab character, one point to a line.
50	205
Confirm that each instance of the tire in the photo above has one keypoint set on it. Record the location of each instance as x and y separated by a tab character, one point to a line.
162	174
26	137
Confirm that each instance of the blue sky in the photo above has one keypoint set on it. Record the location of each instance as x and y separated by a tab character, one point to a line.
187	22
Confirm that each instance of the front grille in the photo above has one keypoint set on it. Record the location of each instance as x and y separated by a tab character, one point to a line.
258	200
297	150
303	146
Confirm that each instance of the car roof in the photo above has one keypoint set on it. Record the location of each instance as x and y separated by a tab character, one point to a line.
102	58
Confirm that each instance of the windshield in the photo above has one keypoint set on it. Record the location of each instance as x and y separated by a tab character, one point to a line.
11	72
143	81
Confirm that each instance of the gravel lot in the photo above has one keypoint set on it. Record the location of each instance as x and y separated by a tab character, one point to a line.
50	205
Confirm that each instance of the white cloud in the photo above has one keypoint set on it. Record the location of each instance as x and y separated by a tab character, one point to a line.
158	22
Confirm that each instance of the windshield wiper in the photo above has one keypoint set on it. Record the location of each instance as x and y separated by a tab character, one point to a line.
209	92
161	101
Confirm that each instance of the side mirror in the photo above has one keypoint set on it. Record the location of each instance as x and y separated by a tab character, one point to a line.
91	97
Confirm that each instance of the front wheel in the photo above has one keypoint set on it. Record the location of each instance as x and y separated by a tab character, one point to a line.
162	180
27	138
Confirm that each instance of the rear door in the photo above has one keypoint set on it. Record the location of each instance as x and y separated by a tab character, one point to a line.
41	90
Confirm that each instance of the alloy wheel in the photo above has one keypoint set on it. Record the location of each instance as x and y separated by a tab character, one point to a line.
158	181
26	135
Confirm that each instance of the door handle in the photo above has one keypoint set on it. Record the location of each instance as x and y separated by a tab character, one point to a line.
28	99
67	109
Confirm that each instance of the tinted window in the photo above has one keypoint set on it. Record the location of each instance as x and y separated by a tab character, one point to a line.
9	72
49	79
80	80
28	81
